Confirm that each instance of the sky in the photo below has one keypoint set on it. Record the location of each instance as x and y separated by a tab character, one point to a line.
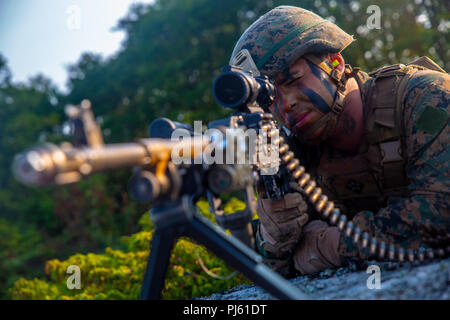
44	36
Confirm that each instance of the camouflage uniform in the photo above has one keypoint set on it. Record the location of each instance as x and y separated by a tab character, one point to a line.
424	117
399	205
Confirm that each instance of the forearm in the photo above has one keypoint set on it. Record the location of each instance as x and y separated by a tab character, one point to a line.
401	223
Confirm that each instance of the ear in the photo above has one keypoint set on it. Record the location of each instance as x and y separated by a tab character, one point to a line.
336	60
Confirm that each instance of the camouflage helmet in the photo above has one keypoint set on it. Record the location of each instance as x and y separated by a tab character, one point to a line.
284	34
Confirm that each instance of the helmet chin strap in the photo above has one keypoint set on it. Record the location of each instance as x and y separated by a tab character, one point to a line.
331	118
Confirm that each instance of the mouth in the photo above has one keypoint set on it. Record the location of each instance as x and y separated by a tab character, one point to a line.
301	120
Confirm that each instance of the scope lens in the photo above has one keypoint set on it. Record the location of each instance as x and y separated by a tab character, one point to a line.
230	90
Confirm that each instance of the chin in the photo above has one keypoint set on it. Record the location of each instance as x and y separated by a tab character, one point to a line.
314	140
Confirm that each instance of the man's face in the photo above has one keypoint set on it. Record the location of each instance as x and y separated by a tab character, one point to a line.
304	94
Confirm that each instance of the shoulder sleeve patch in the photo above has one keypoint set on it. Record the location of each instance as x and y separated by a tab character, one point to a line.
432	120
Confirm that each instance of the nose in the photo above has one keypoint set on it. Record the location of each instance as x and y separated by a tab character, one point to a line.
286	100
286	106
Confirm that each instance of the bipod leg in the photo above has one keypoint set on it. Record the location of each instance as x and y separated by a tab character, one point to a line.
180	218
240	257
167	221
161	247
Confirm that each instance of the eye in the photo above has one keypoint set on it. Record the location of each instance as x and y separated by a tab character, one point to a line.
292	81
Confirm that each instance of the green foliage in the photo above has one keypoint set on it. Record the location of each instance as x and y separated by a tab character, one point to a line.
117	274
91	216
21	246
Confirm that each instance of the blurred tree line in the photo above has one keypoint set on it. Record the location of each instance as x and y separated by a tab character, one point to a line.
172	52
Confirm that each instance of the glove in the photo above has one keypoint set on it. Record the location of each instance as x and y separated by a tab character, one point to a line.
318	248
281	222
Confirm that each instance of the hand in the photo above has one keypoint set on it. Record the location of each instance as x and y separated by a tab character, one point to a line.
281	221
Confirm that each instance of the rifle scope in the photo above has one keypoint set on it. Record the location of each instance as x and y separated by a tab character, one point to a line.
235	89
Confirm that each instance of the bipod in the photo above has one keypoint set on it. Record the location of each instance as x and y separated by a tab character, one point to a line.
179	218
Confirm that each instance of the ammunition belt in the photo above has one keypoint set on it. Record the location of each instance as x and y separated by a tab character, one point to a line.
326	208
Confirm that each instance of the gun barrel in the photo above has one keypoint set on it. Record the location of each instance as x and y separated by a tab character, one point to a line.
51	164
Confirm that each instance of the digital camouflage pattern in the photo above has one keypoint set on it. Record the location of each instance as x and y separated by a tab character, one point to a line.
285	33
407	221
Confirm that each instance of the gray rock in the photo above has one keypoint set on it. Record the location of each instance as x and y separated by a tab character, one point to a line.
398	281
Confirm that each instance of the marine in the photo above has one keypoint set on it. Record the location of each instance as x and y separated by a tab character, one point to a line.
376	143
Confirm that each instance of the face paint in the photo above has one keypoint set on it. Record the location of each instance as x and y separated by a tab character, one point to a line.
306	100
315	99
305	94
291	119
317	72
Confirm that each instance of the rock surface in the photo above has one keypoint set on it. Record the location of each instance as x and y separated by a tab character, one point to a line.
398	281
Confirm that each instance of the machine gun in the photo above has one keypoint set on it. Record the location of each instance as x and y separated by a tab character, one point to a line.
172	187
